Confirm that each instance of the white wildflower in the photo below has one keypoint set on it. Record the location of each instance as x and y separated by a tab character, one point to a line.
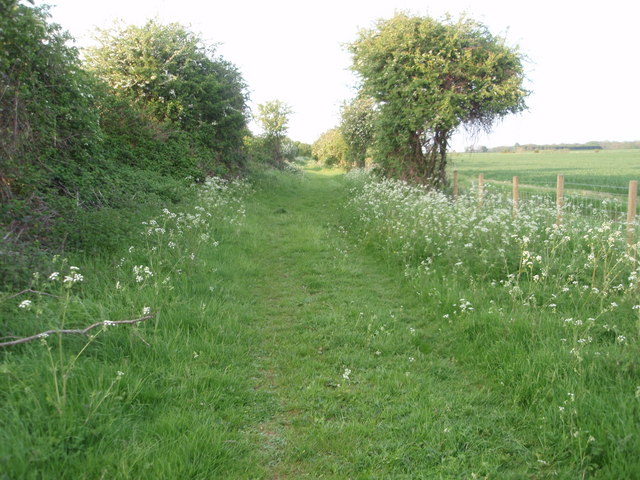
25	304
142	272
73	278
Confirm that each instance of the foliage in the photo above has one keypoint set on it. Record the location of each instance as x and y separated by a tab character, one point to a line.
50	137
428	78
179	83
304	150
260	148
330	148
273	117
599	145
48	124
80	153
357	127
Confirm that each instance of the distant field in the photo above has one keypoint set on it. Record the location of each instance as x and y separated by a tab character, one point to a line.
605	171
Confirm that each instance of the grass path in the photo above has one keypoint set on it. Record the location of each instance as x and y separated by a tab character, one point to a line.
352	359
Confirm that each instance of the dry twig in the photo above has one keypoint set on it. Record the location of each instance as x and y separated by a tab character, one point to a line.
29	290
79	331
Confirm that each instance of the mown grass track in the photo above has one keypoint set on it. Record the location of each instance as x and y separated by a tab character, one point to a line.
354	359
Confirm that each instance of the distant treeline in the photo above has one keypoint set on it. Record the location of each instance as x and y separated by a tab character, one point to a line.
606	145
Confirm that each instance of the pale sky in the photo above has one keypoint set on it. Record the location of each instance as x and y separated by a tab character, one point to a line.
583	56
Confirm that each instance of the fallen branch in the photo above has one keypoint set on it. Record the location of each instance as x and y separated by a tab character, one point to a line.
29	290
79	331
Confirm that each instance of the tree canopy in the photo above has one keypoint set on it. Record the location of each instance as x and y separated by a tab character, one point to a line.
47	119
357	127
169	72
428	78
273	117
330	148
151	107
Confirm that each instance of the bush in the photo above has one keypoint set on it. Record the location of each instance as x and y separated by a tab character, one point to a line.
82	155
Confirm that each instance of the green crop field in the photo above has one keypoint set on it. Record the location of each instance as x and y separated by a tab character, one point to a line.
605	171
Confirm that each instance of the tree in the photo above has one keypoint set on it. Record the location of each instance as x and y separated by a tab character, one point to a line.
171	75
428	78
273	117
357	128
48	125
330	148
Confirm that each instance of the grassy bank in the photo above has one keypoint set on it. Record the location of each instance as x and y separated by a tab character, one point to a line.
164	398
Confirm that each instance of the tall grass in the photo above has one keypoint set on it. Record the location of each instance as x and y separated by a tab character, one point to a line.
550	312
161	398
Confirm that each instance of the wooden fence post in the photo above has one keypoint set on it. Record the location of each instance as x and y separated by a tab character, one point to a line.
515	195
559	198
480	188
455	184
632	205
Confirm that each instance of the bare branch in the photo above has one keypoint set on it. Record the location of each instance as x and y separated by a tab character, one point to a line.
28	290
79	331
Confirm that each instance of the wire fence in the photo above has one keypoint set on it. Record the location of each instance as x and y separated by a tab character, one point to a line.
604	202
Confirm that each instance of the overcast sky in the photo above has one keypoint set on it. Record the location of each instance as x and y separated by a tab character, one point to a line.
583	62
